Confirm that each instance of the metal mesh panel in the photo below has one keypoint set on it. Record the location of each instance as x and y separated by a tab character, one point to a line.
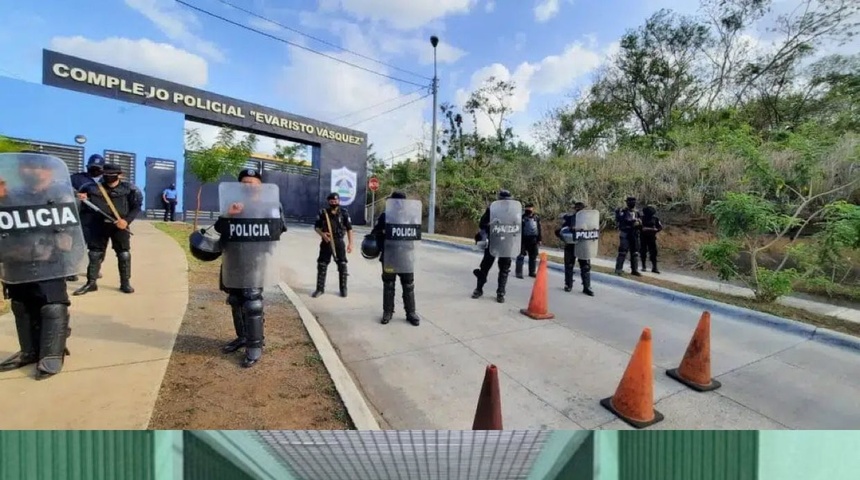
406	454
125	160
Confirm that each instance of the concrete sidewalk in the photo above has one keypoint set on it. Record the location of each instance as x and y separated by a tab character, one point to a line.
553	373
120	347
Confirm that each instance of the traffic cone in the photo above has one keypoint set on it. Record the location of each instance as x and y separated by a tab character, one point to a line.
488	415
539	302
695	369
633	401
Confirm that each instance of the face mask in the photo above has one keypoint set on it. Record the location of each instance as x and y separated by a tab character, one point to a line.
94	172
110	178
631	204
529	212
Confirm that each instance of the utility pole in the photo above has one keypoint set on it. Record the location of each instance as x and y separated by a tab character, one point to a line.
431	216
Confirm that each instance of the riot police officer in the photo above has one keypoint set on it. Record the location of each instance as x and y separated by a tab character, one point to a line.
247	262
569	225
122	202
36	259
651	226
532	239
93	173
629	222
397	229
501	225
331	225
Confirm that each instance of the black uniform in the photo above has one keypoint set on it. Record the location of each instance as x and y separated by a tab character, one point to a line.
531	239
338	219
407	282
629	224
569	221
651	226
246	304
128	201
41	309
483	270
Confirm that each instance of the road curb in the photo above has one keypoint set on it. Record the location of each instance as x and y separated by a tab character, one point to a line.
815	334
356	405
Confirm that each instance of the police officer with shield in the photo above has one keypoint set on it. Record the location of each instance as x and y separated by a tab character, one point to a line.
250	225
118	203
394	235
41	243
531	240
629	222
579	231
331	225
501	225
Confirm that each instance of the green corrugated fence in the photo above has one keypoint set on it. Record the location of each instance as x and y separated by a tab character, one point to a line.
202	462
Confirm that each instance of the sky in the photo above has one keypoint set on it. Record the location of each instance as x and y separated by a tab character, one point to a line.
548	48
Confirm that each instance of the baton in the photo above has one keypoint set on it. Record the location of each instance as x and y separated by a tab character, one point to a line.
100	211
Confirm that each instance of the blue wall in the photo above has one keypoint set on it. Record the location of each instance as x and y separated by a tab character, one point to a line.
49	114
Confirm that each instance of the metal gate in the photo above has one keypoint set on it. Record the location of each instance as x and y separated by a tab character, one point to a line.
125	160
160	174
299	187
202	462
688	454
73	155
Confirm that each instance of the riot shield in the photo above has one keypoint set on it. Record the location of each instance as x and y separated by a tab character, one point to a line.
402	230
587	233
250	229
40	225
506	218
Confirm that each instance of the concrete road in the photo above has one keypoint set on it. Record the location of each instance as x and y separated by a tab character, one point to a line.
553	373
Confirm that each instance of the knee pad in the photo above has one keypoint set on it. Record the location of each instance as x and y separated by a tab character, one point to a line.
253	308
123	255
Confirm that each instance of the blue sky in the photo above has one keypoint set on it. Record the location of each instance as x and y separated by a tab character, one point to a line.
547	47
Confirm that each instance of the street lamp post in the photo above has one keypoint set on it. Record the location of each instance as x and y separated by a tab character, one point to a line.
431	217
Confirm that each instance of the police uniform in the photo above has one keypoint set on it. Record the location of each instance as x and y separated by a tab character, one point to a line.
569	221
482	272
336	221
531	240
246	304
169	196
127	199
407	280
629	221
95	166
41	308
651	226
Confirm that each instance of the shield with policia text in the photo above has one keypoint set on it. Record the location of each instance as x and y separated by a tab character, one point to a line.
506	218
40	227
251	228
586	233
402	230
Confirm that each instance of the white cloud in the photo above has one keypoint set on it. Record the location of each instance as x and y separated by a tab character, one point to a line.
160	60
177	25
546	10
553	74
490	6
404	15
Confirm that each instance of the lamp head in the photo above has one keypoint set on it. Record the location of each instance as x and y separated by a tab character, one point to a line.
434	40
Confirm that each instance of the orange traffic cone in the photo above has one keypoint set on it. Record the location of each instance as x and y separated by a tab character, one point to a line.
488	415
633	401
539	303
695	369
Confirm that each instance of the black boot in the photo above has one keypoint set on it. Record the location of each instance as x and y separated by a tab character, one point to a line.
568	278
643	262
533	267
322	270
500	289
387	301
634	265
52	342
123	260
479	290
619	264
585	274
239	327
93	268
342	276
519	268
252	312
409	302
27	340
653	266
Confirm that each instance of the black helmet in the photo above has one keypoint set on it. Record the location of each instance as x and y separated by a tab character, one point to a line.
649	211
504	194
369	247
398	195
333	196
204	245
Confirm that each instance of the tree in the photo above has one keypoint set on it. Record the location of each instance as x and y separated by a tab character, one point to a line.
291	153
8	145
224	157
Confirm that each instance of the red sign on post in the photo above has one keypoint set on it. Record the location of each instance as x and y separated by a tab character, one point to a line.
373	184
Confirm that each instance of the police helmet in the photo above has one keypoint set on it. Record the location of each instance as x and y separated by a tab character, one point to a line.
398	195
631	199
567	235
96	160
578	206
112	169
204	245
504	194
333	196
369	247
250	172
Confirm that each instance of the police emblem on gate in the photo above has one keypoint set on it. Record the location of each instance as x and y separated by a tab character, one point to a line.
344	182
